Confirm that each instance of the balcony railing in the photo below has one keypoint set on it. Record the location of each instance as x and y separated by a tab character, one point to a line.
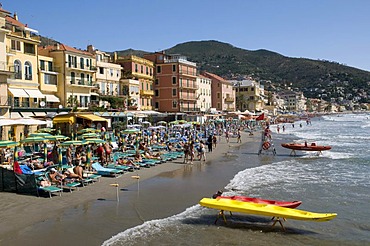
229	99
191	85
188	97
146	92
189	109
81	66
78	82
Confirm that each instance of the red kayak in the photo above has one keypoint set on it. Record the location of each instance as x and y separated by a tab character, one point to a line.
285	204
305	146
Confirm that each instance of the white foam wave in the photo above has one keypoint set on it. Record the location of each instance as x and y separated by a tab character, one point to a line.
150	228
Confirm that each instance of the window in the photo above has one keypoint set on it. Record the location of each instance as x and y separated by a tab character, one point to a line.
82	79
82	65
50	79
15	45
42	65
27	71
103	88
151	71
18	69
156	82
174	104
87	62
111	72
174	92
50	66
159	69
111	88
218	95
142	69
173	68
101	70
29	48
156	105
174	80
73	78
136	69
156	93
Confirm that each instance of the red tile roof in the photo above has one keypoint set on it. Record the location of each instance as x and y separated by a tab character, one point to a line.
4	11
213	76
64	47
14	22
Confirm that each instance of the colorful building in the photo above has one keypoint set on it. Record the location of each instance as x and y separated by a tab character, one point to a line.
137	68
204	101
223	93
250	95
175	83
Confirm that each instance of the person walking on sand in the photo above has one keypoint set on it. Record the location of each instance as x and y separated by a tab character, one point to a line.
186	152
191	152
239	139
202	151
209	143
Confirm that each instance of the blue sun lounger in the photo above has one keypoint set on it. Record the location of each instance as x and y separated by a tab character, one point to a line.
103	171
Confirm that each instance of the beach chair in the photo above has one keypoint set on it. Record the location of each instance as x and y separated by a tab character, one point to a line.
103	171
48	189
93	176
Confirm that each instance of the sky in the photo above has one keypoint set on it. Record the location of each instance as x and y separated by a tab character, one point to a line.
333	30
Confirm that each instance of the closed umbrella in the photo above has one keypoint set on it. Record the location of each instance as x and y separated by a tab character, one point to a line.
45	152
60	156
88	155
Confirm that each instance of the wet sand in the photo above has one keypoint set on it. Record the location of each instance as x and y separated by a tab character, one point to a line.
92	215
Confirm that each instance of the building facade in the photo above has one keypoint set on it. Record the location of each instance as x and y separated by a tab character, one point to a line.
175	83
223	93
204	102
250	95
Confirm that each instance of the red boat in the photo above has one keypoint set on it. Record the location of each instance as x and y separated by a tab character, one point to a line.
285	204
305	146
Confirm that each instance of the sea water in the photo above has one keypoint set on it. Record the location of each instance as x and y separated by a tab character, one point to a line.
336	181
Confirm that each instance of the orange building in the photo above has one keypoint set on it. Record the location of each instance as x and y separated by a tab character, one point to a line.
175	86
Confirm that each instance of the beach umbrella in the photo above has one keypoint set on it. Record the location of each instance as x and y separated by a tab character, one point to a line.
90	135
45	130
93	141
87	130
45	152
88	155
34	140
56	137
15	153
130	131
73	142
162	122
60	156
8	144
39	134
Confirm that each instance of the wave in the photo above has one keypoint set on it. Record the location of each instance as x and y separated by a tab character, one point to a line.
152	228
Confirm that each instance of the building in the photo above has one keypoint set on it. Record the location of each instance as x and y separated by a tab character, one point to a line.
249	94
76	75
108	75
137	68
131	91
223	93
175	83
293	101
204	102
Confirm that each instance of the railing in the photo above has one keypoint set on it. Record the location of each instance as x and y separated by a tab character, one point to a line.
189	97
189	109
79	65
190	85
189	74
146	93
229	99
53	69
83	83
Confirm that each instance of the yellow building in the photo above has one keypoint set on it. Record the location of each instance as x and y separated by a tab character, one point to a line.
76	74
250	95
23	86
140	69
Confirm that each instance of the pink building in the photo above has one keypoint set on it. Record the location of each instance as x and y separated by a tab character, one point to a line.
223	93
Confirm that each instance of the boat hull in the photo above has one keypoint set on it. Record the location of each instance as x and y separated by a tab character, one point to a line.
295	146
286	204
265	210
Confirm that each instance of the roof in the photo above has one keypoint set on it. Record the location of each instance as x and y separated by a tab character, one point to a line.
213	76
63	47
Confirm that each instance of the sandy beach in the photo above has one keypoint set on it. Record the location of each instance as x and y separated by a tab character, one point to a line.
92	215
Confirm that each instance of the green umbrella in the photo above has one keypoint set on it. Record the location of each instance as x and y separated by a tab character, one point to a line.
39	134
93	141
45	152
60	157
34	140
88	155
90	135
72	142
87	130
47	130
56	137
8	144
130	131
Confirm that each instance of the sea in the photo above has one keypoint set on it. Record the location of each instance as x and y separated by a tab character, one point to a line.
334	181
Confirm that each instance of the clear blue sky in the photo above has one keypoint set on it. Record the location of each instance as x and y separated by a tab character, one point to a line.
334	30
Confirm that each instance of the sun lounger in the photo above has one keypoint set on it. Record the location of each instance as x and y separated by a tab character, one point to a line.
111	172
50	189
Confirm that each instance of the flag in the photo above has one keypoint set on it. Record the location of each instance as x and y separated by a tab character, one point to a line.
261	117
17	168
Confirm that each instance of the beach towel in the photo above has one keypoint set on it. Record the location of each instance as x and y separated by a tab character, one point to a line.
17	168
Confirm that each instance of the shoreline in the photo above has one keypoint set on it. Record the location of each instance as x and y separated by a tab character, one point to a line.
25	215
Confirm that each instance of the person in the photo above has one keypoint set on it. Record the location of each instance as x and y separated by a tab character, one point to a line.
69	173
227	136
100	153
214	140
56	177
186	152
108	151
239	140
202	151
191	152
69	154
209	143
219	193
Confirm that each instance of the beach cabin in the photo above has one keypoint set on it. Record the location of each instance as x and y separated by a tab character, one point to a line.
70	124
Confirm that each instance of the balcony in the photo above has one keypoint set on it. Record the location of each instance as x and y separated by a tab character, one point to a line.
80	83
229	99
187	97
80	66
189	109
146	93
193	86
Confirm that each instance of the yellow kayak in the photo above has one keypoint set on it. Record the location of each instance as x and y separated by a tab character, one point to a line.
265	209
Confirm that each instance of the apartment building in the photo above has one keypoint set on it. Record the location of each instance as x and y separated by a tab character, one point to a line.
249	95
204	93
140	69
175	83
4	69
77	74
223	93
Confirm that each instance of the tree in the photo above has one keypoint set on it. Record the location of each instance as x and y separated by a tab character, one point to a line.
72	102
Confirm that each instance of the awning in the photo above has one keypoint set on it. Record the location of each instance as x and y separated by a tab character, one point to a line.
64	119
51	98
92	117
34	93
39	113
26	114
18	92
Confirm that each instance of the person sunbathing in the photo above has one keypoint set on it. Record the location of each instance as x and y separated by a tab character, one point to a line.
56	177
150	156
69	173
